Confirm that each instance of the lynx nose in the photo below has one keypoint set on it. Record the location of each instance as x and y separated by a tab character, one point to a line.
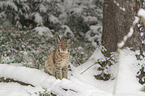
64	49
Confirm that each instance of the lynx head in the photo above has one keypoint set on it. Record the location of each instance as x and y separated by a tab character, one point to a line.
63	45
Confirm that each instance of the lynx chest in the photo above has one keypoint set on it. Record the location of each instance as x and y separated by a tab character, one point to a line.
63	59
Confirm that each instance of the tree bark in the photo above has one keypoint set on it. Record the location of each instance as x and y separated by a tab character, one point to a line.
118	16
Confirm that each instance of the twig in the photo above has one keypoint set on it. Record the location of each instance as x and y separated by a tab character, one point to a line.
77	61
89	68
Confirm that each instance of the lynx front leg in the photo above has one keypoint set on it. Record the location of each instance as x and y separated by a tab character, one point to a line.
65	71
59	73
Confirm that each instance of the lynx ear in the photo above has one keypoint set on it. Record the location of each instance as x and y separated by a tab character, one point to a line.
59	39
68	41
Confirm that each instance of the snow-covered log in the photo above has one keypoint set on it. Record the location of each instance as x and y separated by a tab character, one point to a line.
73	87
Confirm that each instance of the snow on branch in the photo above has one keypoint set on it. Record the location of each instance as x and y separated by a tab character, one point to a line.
130	33
141	14
122	8
36	77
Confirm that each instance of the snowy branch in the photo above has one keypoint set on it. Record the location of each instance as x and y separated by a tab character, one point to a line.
130	33
141	14
122	8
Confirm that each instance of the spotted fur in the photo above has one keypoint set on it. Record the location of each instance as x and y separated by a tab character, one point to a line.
57	61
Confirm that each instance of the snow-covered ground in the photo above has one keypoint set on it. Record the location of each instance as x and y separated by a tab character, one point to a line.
15	89
80	84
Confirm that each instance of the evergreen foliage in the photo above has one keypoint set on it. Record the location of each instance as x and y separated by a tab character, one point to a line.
29	29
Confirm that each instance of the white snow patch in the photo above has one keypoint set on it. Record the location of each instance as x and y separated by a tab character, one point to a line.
141	13
121	44
26	7
95	29
42	8
142	33
15	89
125	38
127	83
130	32
122	8
63	17
11	4
90	19
88	76
53	19
67	31
136	20
43	31
38	19
77	10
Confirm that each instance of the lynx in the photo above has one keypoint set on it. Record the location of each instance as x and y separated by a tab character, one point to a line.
57	61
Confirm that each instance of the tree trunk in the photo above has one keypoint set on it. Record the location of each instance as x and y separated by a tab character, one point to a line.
118	16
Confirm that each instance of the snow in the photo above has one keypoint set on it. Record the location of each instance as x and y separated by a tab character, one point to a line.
68	4
11	4
88	76
90	19
130	33
54	19
76	10
82	83
67	31
39	78
94	28
96	32
141	34
14	89
26	7
42	8
122	8
136	20
43	31
38	18
141	13
126	79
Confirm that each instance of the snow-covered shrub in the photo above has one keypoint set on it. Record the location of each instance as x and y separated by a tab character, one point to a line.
44	92
43	31
94	35
66	31
140	54
104	69
141	75
17	45
79	15
78	56
34	13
